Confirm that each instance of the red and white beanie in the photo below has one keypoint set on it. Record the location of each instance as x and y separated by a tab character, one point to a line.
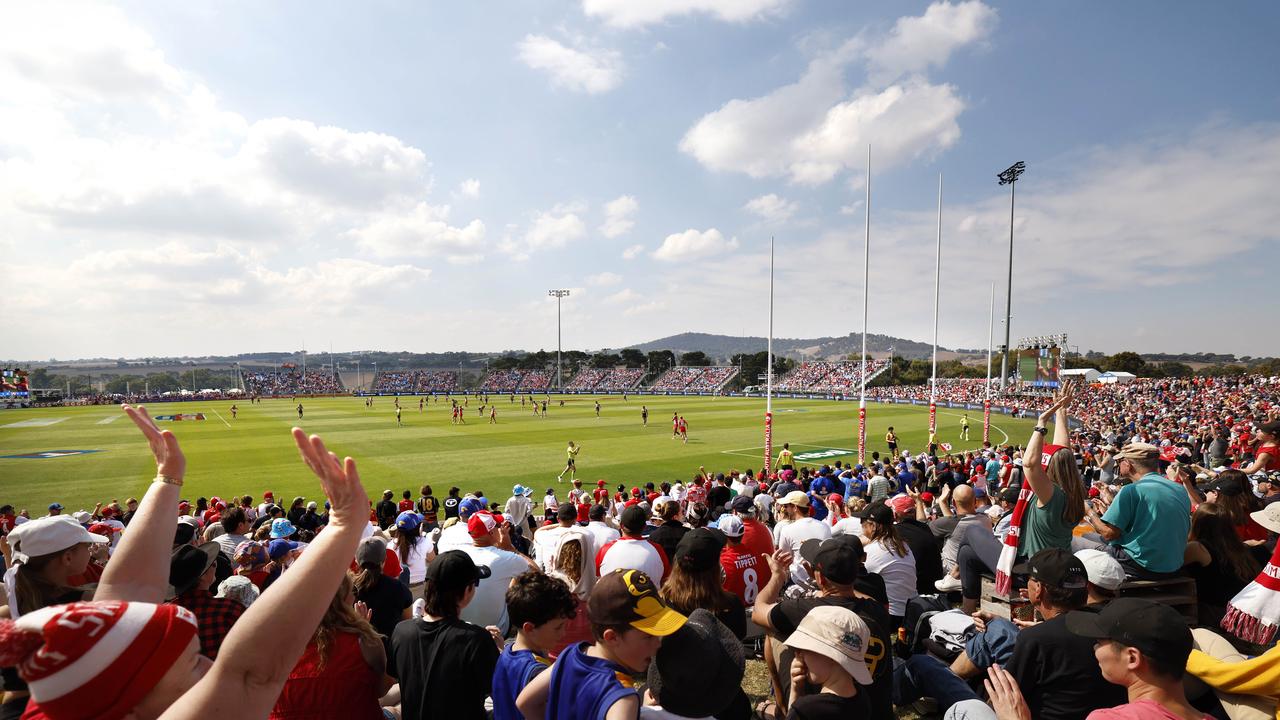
94	659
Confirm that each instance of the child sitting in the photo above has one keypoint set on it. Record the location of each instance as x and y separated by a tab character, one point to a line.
829	643
539	607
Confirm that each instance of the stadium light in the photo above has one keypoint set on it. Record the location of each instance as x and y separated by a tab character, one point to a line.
1009	177
558	294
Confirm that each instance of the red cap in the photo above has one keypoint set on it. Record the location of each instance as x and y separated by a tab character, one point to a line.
635	491
600	483
482	523
268	494
1093	493
108	511
927	497
101	529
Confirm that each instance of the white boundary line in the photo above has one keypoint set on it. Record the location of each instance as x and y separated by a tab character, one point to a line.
224	422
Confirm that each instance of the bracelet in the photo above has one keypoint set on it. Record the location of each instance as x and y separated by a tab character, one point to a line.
1041	430
168	480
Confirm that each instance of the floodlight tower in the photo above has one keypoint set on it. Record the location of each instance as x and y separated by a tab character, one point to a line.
558	294
1009	177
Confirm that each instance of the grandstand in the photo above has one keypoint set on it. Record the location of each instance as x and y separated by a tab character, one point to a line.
611	380
289	380
535	381
416	381
695	379
502	380
839	378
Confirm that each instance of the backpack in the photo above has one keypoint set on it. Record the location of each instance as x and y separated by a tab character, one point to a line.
916	618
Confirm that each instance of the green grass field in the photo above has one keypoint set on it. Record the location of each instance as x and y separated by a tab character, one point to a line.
255	452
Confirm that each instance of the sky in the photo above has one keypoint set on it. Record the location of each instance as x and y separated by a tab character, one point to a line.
225	177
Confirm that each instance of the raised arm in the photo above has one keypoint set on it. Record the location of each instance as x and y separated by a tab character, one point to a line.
1062	430
245	681
1040	483
139	569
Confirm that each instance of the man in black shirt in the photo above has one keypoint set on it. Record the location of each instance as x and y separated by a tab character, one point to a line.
450	503
836	567
387	510
445	665
718	496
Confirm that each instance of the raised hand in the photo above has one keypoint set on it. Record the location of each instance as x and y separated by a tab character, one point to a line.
340	481
170	461
1006	696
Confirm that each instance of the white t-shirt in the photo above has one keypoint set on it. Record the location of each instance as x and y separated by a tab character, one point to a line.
633	554
602	533
454	537
847	526
790	536
899	575
489	606
417	562
764	505
517	510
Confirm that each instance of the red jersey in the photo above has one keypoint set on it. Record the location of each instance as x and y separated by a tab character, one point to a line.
697	494
745	572
600	495
406	505
1273	457
584	512
757	538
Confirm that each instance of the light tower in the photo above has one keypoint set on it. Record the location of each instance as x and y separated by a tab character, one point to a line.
558	294
1009	177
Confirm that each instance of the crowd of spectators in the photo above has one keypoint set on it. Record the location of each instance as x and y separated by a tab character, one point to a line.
586	379
859	586
694	378
535	381
606	380
416	381
829	377
502	380
291	381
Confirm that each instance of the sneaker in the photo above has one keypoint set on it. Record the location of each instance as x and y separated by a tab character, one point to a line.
948	584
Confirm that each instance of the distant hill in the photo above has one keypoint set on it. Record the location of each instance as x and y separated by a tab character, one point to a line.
823	348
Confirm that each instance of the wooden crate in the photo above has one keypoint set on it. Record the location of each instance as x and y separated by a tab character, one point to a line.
1003	606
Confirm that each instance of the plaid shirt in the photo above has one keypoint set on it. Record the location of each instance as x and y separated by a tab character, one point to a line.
214	615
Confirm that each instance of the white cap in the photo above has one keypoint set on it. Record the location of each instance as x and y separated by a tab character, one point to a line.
48	535
82	516
1103	569
730	525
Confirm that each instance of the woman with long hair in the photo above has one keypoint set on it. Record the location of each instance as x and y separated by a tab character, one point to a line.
890	557
388	600
343	670
296	510
697	581
415	550
1060	495
1218	561
47	553
1233	494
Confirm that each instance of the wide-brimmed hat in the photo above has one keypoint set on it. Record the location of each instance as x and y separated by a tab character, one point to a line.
189	563
836	633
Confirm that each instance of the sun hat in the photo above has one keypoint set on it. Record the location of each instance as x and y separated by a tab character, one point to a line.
238	588
519	490
698	669
189	563
84	517
282	528
95	659
836	633
629	597
251	554
48	535
1103	569
1268	517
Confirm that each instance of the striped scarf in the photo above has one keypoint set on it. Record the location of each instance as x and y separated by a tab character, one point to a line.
1009	553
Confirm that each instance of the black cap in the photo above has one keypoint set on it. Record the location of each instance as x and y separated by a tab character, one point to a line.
188	563
877	512
704	649
839	559
567	512
1230	486
1009	495
743	504
699	549
633	519
1156	629
455	569
183	534
1055	567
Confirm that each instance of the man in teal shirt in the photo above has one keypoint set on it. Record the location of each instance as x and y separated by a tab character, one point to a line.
1146	524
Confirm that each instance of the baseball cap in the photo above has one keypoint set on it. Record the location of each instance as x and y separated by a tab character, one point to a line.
629	597
599	483
268	494
408	521
1231	486
743	504
483	523
1138	451
55	506
927	497
878	513
1103	570
1009	495
455	569
731	526
1055	567
371	551
839	559
48	535
796	497
699	668
282	528
1157	630
699	550
837	633
903	504
633	519
279	548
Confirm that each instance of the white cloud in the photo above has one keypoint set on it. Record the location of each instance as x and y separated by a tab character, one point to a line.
590	71
469	188
693	244
637	13
917	43
618	214
632	252
813	129
604	279
552	230
421	231
626	295
771	208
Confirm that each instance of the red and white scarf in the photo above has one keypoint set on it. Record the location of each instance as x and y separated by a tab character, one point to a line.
1009	553
1254	613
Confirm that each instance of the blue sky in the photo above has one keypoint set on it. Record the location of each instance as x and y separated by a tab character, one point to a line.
228	177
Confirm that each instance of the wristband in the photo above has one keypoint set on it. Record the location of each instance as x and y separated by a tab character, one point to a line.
168	480
1041	430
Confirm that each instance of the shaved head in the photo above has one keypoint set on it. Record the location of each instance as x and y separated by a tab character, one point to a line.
963	497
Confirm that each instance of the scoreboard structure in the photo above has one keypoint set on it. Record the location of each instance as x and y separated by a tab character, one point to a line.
1040	361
